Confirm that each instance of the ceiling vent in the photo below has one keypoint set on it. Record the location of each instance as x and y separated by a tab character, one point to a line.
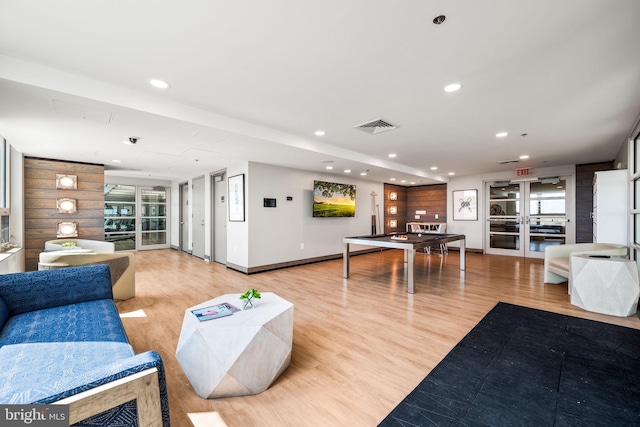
376	126
506	162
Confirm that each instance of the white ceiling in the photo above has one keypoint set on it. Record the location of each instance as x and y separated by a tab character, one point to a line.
253	79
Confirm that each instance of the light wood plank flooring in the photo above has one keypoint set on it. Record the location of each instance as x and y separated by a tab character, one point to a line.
359	345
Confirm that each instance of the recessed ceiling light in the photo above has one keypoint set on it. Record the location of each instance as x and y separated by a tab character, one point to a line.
403	180
452	173
115	161
363	173
413	182
160	84
453	87
501	134
524	156
347	171
319	133
392	155
392	179
329	167
434	168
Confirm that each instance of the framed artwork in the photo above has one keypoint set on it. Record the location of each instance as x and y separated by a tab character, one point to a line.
465	205
236	198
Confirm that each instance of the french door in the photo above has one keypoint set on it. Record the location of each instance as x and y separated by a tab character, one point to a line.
524	217
152	233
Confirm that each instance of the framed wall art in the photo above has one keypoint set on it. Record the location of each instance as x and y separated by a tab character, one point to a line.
236	198
465	205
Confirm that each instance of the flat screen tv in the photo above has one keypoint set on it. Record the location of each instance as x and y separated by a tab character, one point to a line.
331	199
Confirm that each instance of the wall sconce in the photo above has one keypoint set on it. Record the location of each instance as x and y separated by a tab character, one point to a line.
67	229
66	205
393	210
393	195
66	182
393	223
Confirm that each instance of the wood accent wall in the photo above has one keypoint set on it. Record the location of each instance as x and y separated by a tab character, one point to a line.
584	199
432	198
400	204
40	194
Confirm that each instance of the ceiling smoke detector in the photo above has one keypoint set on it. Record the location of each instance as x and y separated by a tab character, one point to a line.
376	126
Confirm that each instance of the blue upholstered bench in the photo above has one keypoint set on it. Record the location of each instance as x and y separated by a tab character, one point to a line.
62	341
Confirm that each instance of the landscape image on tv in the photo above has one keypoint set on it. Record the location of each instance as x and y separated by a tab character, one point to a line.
331	199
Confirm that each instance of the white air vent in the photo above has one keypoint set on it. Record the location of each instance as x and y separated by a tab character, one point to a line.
376	126
506	162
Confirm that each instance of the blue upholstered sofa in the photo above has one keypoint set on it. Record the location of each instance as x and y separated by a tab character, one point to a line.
62	341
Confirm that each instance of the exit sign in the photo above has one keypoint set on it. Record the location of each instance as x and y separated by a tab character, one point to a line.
522	171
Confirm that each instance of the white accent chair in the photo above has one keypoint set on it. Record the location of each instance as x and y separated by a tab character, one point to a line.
557	258
96	246
90	252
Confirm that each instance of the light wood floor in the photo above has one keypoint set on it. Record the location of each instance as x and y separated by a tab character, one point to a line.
359	345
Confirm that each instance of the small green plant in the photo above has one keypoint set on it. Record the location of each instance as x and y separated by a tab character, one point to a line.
69	244
249	296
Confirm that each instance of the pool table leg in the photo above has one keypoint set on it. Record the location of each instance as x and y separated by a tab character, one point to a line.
411	274
463	255
345	261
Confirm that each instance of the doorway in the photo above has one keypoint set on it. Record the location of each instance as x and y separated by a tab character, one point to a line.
524	217
219	197
184	217
152	233
197	210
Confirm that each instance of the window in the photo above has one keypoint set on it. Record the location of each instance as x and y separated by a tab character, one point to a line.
120	216
634	217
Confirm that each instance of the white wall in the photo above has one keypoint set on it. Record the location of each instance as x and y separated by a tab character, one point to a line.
238	231
277	234
474	230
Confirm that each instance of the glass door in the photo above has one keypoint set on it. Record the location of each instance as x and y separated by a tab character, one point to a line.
546	219
527	216
120	216
505	219
152	233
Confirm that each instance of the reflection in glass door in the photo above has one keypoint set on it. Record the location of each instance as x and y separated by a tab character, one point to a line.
525	217
153	218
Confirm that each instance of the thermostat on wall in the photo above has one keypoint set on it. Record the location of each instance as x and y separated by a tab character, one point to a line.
269	203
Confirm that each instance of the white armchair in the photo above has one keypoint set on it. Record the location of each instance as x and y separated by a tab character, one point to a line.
91	252
557	257
96	246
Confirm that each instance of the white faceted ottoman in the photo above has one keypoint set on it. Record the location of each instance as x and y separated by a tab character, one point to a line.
604	285
237	355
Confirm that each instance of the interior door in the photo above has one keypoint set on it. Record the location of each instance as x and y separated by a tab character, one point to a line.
152	233
220	219
525	217
184	217
197	209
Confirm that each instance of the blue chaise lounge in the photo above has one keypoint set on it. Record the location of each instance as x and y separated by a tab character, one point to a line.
62	342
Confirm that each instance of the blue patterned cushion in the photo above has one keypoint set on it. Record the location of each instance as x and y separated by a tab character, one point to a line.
36	371
36	290
87	321
4	313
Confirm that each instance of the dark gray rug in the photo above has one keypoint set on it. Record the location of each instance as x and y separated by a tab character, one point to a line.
524	367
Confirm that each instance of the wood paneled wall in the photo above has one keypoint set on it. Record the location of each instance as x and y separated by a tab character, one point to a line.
432	198
401	206
584	199
40	194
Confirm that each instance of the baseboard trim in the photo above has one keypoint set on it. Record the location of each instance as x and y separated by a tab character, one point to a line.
294	263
